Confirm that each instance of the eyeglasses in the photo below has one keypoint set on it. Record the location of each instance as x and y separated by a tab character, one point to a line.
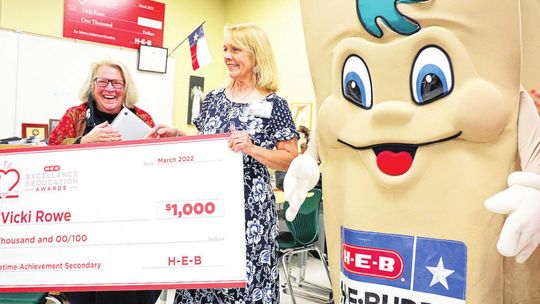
103	82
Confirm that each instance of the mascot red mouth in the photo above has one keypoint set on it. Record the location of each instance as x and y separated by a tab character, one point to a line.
397	159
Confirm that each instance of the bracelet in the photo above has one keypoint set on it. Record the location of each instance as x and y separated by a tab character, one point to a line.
177	132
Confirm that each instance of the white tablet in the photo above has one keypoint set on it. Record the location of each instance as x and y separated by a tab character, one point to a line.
130	126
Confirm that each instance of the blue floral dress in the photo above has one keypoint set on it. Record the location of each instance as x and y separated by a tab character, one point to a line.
217	115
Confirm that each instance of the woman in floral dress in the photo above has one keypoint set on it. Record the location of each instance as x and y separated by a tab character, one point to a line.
262	128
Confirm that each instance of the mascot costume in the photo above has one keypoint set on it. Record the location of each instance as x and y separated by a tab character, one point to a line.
422	125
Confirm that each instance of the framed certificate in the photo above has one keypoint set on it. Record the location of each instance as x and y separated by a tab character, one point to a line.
33	129
152	59
52	124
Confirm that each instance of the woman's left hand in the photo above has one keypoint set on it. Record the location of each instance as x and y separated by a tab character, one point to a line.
240	141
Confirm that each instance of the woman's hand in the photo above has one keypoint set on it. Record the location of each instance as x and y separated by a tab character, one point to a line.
161	130
103	132
276	159
240	141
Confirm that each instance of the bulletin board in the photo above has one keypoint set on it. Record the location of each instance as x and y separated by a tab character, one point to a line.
8	83
41	78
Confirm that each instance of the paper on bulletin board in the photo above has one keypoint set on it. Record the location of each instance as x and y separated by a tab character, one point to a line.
152	59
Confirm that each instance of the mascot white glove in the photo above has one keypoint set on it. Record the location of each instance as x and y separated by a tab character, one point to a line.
520	234
302	176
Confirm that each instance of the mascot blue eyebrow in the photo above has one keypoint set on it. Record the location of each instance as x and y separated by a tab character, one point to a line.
370	10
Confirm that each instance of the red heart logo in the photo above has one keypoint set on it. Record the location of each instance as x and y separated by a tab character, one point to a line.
8	180
394	164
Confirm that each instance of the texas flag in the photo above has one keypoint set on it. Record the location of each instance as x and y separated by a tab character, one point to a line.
200	56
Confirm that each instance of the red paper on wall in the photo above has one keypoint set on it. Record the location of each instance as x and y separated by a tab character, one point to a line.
126	23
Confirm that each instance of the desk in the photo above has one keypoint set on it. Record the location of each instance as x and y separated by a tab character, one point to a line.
6	146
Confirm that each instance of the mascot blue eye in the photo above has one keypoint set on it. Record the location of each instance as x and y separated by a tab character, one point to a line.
353	89
356	82
431	77
430	84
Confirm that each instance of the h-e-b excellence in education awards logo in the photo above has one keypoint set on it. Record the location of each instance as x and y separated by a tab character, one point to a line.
52	178
9	179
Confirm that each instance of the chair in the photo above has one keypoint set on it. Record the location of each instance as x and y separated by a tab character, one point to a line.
28	298
299	240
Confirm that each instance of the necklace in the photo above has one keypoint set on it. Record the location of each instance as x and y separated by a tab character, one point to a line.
241	98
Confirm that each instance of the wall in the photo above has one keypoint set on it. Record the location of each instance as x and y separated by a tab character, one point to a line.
281	20
40	17
181	17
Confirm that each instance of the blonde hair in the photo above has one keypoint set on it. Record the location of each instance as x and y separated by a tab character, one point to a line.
130	91
253	39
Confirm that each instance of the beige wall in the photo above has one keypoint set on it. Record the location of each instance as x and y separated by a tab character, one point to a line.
280	18
182	17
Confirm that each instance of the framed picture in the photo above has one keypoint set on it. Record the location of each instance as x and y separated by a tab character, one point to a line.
33	129
152	59
195	98
52	124
301	113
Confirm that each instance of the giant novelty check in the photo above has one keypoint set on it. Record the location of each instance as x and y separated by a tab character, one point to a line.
132	215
